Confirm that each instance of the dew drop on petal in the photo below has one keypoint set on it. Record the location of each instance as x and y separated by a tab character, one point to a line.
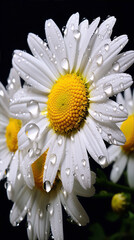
29	212
116	66
32	131
40	213
33	108
65	64
108	89
121	107
102	160
38	151
1	93
53	159
47	186
82	177
67	170
64	192
76	34
106	46
29	226
50	209
60	140
99	60
83	162
91	77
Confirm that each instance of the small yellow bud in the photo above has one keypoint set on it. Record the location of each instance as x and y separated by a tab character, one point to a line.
120	202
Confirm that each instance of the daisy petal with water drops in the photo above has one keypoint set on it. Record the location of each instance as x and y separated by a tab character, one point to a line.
76	72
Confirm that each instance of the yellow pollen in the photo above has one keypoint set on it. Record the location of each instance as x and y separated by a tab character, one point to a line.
67	105
127	128
12	130
38	170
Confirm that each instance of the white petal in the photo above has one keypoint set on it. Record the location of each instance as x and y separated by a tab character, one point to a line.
33	71
130	170
108	111
56	218
114	152
125	60
75	209
42	52
108	57
86	34
18	210
129	103
81	162
111	133
70	41
80	191
54	158
14	83
118	167
67	168
94	143
14	167
56	43
6	157
117	82
120	99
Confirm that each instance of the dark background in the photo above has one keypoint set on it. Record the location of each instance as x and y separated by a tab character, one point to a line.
17	19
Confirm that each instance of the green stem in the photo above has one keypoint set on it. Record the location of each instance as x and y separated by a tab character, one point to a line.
110	186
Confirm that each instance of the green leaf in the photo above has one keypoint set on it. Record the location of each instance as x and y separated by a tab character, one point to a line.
96	232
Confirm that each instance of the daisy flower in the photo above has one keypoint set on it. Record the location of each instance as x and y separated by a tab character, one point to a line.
43	207
9	126
124	155
70	79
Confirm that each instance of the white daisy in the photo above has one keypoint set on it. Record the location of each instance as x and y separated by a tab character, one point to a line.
71	79
9	126
124	155
43	207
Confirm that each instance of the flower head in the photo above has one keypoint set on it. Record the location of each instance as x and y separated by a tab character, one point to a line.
124	155
70	80
9	125
43	205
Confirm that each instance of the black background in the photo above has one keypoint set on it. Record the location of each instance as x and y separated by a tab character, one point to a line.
17	19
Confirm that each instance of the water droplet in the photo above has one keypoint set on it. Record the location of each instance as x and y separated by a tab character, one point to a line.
116	66
76	34
64	192
121	107
65	64
47	186
1	93
72	138
114	141
108	89
60	140
50	209
122	86
29	226
67	170
106	46
38	151
33	108
27	76
64	29
91	77
29	212
83	162
115	108
48	23
82	177
32	131
99	59
102	160
110	118
40	213
53	159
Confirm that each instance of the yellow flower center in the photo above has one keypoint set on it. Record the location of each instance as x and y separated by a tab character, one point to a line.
67	105
38	170
12	130
127	128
